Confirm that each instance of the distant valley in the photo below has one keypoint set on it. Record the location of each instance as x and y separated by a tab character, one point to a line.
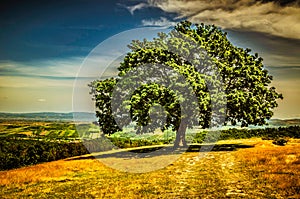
49	116
87	116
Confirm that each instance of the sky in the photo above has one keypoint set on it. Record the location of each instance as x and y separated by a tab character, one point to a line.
47	47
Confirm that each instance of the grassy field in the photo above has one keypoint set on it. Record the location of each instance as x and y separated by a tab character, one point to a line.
22	128
259	170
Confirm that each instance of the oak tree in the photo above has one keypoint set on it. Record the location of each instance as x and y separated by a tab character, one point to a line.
195	52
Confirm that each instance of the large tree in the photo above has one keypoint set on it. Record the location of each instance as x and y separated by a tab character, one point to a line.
206	64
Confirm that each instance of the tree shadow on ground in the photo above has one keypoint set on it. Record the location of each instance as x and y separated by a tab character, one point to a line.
148	152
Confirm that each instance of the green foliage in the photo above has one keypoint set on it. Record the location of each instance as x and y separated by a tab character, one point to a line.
250	99
98	145
129	139
16	153
102	91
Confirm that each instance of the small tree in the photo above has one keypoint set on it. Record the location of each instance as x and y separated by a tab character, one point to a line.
249	98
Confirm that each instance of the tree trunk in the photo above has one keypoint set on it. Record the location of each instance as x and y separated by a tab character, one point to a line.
180	135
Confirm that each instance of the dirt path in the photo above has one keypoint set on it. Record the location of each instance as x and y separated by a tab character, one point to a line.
219	174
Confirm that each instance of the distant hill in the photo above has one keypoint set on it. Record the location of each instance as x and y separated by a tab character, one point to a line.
49	116
285	122
86	116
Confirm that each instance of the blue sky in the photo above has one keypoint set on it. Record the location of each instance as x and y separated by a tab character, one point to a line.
43	43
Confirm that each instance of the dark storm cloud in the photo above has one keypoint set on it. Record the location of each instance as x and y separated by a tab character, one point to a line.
279	18
283	2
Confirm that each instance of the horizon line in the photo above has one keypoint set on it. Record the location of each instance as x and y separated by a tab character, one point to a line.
71	112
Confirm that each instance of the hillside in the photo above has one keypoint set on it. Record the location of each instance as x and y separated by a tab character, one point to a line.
270	172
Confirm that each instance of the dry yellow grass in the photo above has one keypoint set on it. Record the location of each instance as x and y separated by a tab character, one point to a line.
278	165
264	171
45	172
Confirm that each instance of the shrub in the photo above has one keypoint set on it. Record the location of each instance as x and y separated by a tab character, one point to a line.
16	153
280	141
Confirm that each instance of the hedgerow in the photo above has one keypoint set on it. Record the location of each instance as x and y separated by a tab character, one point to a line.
16	153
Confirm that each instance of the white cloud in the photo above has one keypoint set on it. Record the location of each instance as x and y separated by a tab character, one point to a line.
39	74
134	8
41	100
57	67
161	22
245	14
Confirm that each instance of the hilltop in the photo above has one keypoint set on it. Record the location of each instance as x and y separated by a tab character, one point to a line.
48	116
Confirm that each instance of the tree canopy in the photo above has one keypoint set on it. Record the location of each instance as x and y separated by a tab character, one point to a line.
173	80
